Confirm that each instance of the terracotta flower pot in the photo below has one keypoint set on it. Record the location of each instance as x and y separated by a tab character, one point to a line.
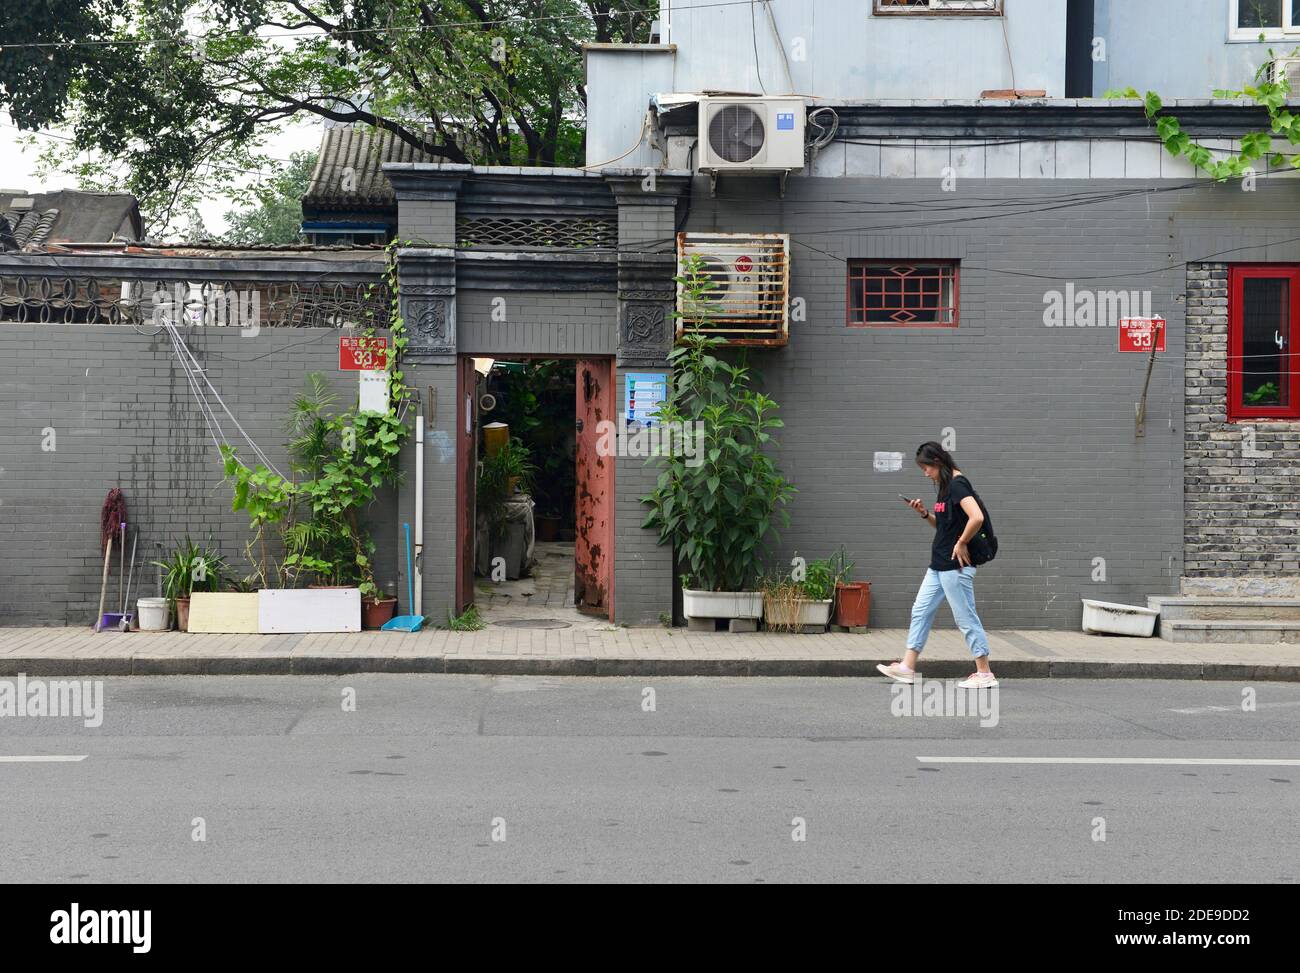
376	611
183	614
853	604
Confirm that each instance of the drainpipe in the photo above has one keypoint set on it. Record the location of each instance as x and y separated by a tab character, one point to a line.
419	510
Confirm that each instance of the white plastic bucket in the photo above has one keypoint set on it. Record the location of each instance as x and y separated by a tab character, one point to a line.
152	614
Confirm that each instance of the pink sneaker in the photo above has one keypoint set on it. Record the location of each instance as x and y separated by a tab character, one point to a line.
896	672
978	680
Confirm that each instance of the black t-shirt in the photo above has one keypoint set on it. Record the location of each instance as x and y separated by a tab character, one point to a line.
950	521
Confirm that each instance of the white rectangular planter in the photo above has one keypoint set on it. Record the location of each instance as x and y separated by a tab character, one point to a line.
810	613
225	612
284	610
722	604
1108	618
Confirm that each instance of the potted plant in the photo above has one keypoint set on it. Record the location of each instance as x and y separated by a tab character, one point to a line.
190	568
501	475
718	501
852	598
793	604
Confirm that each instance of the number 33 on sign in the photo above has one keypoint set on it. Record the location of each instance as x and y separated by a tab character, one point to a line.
1138	334
359	354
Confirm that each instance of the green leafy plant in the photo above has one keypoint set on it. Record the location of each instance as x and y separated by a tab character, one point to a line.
498	474
190	568
720	506
1263	395
1270	95
841	566
345	460
467	621
819	581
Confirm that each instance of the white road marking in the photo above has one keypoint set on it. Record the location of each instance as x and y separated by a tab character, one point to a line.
1177	761
1197	710
48	758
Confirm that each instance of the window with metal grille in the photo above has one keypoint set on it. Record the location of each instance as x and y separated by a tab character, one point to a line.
888	294
597	233
985	8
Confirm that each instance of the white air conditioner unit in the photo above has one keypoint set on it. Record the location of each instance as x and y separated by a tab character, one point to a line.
749	302
1286	67
751	135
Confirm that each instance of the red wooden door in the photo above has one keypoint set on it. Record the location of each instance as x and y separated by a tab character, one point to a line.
466	468
594	544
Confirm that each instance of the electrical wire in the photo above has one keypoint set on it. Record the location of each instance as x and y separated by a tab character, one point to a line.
182	40
753	33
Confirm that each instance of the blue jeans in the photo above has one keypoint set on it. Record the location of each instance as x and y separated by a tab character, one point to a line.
959	588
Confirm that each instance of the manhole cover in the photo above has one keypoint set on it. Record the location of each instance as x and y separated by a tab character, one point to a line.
533	623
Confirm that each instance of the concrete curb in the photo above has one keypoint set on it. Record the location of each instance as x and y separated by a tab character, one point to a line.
335	665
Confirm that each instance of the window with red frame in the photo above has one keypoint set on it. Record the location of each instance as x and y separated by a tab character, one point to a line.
1263	325
889	294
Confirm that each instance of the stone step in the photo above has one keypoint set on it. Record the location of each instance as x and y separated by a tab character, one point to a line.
1176	607
1230	631
1271	586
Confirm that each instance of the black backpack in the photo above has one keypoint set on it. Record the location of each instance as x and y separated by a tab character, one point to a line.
984	545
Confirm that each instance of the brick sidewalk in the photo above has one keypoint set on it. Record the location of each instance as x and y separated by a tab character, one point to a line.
611	651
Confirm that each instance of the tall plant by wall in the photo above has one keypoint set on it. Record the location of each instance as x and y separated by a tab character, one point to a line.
719	512
344	460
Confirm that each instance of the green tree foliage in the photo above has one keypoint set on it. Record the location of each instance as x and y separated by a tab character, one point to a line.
172	99
275	211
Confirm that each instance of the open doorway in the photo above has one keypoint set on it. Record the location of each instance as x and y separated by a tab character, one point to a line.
536	495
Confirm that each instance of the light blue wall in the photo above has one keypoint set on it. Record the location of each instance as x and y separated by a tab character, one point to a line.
848	52
1179	48
619	86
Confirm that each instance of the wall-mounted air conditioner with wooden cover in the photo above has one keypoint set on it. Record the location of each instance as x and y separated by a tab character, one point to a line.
1286	67
749	302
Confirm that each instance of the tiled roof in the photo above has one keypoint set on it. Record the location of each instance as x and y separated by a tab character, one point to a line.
32	221
348	168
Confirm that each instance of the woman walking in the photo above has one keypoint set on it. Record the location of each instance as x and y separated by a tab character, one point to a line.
956	519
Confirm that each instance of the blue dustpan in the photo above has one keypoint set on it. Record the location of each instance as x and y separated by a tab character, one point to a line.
406	623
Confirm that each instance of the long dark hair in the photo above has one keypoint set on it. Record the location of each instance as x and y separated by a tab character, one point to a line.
932	454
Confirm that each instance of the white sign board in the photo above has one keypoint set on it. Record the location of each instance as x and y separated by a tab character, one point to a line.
887	462
374	391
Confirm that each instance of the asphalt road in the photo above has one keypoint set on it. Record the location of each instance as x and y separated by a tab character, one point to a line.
584	784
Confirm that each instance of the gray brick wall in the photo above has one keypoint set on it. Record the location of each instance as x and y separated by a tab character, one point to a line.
536	323
1043	417
123	416
1242	493
432	222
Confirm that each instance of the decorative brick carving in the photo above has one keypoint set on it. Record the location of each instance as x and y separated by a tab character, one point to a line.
646	331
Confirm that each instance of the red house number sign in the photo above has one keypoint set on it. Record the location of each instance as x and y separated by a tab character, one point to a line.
1137	334
358	354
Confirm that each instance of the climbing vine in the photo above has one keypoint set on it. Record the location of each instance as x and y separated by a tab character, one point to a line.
1265	92
354	454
